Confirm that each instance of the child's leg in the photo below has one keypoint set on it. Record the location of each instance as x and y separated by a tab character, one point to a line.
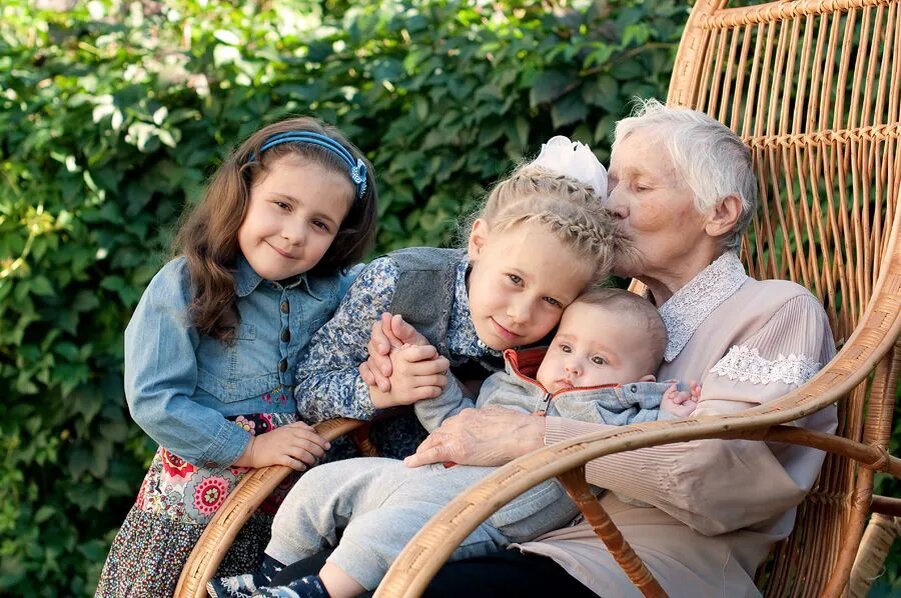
325	499
339	584
371	543
319	504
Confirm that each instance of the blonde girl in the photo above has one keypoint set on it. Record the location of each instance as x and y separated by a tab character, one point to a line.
541	238
211	350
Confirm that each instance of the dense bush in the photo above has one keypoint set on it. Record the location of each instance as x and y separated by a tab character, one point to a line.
113	115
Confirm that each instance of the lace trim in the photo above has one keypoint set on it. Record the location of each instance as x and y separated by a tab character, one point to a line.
745	364
689	306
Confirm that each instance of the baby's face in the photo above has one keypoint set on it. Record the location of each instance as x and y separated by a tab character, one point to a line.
594	346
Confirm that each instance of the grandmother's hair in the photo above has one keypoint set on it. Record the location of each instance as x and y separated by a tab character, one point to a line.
568	209
642	312
712	159
208	233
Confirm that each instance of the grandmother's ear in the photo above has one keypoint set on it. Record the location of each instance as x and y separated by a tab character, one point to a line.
724	216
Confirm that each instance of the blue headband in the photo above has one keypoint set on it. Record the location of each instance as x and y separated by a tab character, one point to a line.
356	167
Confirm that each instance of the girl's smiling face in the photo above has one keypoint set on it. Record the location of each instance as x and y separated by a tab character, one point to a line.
294	212
520	282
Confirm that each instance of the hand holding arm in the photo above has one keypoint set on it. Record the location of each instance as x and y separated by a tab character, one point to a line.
389	332
419	373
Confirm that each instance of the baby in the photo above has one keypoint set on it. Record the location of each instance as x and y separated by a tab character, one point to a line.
598	368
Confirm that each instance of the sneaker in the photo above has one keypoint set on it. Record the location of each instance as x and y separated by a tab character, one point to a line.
236	586
305	587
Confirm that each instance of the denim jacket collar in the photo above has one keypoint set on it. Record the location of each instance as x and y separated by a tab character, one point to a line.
247	280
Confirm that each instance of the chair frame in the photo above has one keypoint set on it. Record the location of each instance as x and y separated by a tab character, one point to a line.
871	355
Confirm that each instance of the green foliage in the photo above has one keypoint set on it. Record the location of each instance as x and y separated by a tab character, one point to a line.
113	115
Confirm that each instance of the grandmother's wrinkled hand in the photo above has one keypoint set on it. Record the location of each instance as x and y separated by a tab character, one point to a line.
490	436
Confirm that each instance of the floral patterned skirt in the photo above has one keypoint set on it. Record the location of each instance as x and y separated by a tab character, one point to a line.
176	502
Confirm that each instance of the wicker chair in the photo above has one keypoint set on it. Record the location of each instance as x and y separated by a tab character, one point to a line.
814	88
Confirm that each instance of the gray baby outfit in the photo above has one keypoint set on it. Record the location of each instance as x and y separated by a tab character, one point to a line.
381	503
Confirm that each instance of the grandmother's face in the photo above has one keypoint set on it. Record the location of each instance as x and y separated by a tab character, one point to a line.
653	205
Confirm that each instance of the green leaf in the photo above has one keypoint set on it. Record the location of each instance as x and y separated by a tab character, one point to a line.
568	110
39	285
549	86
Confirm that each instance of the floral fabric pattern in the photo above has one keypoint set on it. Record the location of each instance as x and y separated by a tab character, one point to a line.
328	382
192	494
175	503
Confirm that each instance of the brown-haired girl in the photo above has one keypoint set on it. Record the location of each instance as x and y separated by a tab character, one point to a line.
211	350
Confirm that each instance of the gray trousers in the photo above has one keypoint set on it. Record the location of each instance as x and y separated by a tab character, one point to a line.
381	504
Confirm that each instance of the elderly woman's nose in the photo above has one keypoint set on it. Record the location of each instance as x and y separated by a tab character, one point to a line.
616	203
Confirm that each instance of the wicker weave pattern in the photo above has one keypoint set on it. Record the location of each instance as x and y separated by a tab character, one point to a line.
813	88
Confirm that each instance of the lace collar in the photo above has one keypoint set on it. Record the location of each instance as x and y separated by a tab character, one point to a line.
689	306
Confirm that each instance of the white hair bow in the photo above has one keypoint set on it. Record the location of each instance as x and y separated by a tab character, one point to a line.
574	160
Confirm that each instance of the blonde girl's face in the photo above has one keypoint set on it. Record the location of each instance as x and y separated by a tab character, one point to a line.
294	213
520	281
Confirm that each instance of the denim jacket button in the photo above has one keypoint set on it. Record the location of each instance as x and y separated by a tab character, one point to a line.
286	335
283	365
284	307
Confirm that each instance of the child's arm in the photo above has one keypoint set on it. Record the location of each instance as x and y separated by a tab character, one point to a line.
639	402
328	380
452	400
161	381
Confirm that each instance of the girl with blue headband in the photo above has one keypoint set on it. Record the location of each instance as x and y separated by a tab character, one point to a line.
210	352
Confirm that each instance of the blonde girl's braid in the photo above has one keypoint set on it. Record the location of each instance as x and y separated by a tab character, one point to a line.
565	207
529	180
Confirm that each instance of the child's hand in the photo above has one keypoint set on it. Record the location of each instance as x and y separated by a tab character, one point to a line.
296	445
681	402
388	333
419	372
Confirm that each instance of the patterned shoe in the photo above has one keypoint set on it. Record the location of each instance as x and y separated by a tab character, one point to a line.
305	587
236	586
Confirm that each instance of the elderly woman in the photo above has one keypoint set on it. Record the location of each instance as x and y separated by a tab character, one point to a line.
683	191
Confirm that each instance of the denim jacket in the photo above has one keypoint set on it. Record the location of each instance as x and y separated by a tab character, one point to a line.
516	388
181	385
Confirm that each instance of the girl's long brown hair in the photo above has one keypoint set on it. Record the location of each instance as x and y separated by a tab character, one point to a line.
208	234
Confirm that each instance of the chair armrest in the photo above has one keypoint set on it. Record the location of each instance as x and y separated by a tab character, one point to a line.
433	544
243	502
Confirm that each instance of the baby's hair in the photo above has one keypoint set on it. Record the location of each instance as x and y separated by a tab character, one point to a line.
570	210
643	314
208	234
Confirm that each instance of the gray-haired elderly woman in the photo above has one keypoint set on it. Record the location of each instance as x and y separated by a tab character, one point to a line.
683	191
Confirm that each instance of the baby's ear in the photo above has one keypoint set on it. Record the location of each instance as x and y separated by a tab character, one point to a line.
648	378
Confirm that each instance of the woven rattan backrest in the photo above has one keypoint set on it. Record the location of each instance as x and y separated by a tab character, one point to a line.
814	89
